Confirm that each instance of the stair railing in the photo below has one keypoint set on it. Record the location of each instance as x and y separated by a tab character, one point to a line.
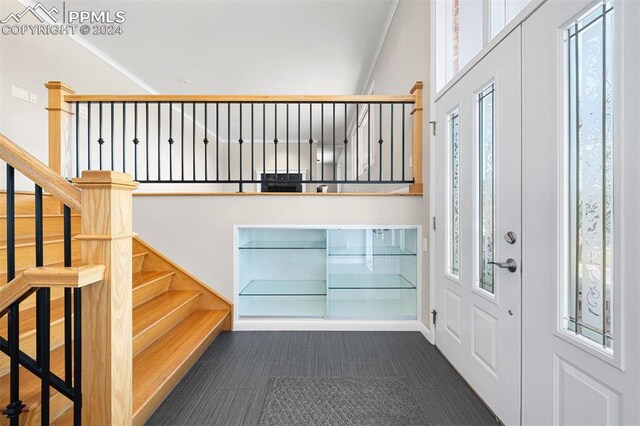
97	353
271	141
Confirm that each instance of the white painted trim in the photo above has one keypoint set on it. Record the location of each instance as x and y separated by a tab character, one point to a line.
336	325
383	37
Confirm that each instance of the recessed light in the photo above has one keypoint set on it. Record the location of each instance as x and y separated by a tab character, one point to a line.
185	81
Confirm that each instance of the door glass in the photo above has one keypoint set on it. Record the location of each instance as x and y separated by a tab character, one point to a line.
486	200
454	194
589	60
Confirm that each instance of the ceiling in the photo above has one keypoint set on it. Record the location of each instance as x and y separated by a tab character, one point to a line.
246	46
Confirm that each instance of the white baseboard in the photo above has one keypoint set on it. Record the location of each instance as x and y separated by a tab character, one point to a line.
324	325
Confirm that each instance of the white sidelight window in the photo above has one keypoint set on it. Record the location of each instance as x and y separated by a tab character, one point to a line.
589	245
486	202
453	266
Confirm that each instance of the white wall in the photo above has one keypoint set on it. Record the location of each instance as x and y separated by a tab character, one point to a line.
403	60
197	231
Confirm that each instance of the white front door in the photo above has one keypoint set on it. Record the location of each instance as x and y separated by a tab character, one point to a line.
581	214
478	175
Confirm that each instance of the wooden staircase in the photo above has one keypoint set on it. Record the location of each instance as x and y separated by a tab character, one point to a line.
175	318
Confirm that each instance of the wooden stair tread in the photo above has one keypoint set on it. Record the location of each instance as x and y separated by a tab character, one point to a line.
144	277
28	318
165	362
30	241
149	313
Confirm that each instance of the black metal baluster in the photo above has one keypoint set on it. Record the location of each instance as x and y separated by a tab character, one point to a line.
240	142
43	320
205	141
124	137
391	141
334	160
146	118
403	134
217	141
77	356
311	162
275	140
322	141
43	345
68	373
193	137
15	406
264	140
182	140
287	135
369	142
299	139
113	138
170	140
100	139
159	141
380	141
252	143
228	141
77	139
88	136
346	141
357	142
136	141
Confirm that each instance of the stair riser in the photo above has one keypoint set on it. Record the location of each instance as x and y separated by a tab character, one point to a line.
138	260
25	204
52	225
150	290
26	255
151	334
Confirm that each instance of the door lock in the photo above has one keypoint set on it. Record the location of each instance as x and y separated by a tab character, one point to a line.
510	265
510	237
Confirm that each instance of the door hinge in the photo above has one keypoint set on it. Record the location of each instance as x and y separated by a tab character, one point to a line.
434	316
433	127
433	221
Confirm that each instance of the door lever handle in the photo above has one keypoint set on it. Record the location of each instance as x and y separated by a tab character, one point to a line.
510	265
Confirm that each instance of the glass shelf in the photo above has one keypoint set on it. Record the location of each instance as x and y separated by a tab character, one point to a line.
285	288
284	245
369	281
364	251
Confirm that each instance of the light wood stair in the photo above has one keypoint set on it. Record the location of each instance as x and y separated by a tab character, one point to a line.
175	318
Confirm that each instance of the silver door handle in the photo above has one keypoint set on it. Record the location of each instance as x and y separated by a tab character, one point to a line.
511	265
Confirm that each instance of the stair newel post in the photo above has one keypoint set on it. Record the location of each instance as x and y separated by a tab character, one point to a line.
416	163
60	122
107	353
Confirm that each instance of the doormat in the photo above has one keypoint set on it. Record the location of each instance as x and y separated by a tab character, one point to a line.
341	401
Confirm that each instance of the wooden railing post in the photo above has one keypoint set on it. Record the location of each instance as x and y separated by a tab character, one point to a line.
107	353
60	115
416	164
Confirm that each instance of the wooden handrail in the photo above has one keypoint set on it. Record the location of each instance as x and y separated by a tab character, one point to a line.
39	173
52	277
374	99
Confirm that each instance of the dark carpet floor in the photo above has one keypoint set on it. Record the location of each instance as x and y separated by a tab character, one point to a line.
231	381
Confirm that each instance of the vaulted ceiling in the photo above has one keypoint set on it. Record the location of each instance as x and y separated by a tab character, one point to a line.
246	47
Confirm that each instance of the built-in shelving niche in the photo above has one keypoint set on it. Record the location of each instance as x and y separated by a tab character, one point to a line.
333	273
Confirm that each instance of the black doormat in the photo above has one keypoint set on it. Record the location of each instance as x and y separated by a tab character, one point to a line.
341	401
